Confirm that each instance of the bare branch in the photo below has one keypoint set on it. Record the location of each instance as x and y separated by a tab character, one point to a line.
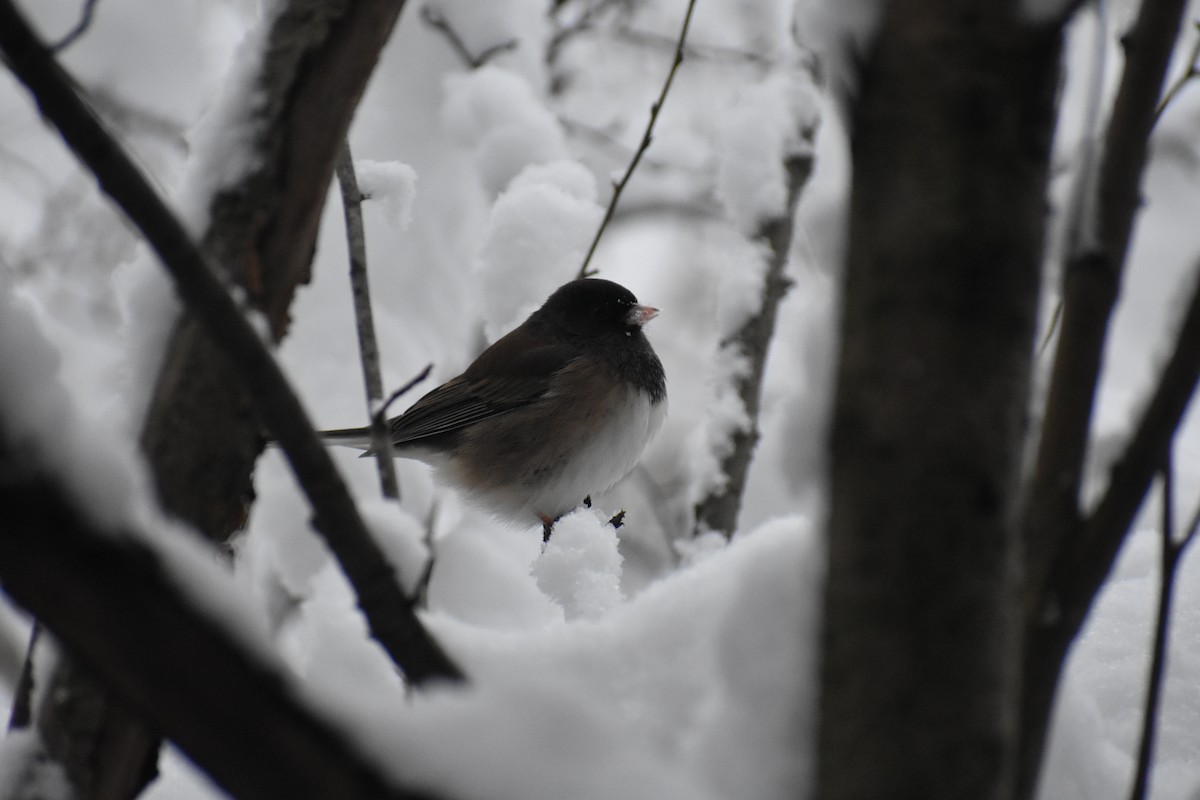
435	19
381	412
389	614
368	346
1087	556
80	28
1167	563
1059	588
1091	284
647	137
1190	72
563	33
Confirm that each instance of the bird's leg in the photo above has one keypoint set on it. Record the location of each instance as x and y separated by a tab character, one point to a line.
547	527
587	501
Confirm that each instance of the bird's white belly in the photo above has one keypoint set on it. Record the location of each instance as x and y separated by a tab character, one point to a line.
607	457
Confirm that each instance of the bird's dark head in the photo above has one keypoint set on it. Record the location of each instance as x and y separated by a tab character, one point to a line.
594	307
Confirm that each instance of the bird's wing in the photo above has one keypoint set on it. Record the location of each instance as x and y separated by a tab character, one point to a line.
484	390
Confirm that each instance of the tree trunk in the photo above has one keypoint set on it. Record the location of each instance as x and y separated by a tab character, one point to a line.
952	129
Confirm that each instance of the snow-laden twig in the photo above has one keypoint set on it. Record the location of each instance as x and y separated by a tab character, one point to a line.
368	345
389	613
647	138
718	509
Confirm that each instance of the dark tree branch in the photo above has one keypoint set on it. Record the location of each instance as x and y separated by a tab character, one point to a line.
435	19
1091	284
368	345
718	511
201	435
1169	557
1056	536
128	622
381	412
389	614
1087	556
21	715
647	138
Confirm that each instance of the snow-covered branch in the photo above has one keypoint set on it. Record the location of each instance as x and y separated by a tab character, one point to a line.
718	510
125	617
388	612
767	164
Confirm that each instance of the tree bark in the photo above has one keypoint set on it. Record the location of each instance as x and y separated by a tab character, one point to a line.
951	139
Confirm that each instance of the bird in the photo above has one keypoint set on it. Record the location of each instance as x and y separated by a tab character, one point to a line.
556	410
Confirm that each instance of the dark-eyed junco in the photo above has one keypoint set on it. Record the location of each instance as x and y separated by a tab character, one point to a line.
557	410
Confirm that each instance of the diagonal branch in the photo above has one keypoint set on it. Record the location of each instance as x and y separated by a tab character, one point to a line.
434	18
389	613
1088	555
1090	288
1169	556
1052	527
647	138
234	716
1190	72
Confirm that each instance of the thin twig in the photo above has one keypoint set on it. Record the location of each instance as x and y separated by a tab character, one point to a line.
1169	557
435	19
564	33
368	345
706	51
1190	72
381	411
389	614
81	27
647	137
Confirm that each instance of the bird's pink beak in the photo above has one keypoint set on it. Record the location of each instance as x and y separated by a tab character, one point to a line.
640	315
